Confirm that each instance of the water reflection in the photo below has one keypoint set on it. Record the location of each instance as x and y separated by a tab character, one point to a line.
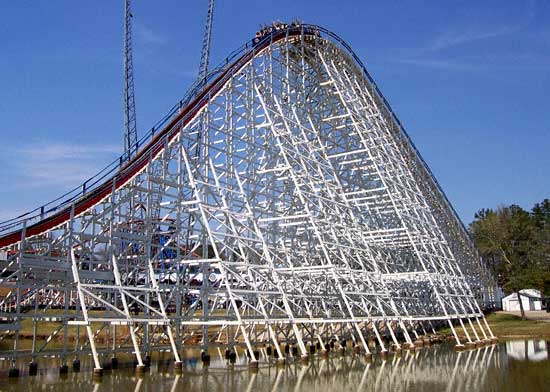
508	366
531	350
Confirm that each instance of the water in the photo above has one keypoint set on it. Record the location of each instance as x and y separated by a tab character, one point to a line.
522	365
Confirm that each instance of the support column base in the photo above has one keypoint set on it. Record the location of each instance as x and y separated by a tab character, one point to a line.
368	356
470	345
33	368
98	372
140	369
409	346
63	369
76	365
253	365
205	358
460	347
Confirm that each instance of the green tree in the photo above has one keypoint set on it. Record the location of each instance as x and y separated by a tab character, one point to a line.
516	245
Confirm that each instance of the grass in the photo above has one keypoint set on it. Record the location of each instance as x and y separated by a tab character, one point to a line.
509	326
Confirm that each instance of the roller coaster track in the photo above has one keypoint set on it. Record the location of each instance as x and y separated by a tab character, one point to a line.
94	190
311	213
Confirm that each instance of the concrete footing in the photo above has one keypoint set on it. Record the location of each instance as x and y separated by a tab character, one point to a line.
33	368
107	366
205	358
408	346
140	369
287	349
253	365
76	365
470	345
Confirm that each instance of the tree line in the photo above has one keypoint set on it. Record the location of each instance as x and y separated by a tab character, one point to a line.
515	244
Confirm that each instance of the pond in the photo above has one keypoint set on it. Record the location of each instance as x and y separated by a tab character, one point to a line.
519	365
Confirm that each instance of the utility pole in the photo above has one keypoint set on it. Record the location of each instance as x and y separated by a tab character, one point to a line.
130	127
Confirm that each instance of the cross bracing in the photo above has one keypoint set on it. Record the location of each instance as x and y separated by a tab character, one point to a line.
283	202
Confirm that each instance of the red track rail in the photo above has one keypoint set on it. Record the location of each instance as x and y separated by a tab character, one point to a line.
151	149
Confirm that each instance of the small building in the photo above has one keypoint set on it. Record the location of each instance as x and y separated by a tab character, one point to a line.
530	298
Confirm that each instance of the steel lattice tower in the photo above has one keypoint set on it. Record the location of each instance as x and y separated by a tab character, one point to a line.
308	216
205	51
130	127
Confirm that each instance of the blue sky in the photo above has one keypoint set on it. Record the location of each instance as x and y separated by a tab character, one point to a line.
469	80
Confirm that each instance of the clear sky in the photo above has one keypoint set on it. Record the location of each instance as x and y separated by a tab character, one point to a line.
470	81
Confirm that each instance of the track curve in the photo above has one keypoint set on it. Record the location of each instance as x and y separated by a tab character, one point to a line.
11	230
216	81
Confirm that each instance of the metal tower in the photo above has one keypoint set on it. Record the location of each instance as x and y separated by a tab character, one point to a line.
308	218
130	127
205	52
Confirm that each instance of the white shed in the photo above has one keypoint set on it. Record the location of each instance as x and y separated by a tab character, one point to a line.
531	300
